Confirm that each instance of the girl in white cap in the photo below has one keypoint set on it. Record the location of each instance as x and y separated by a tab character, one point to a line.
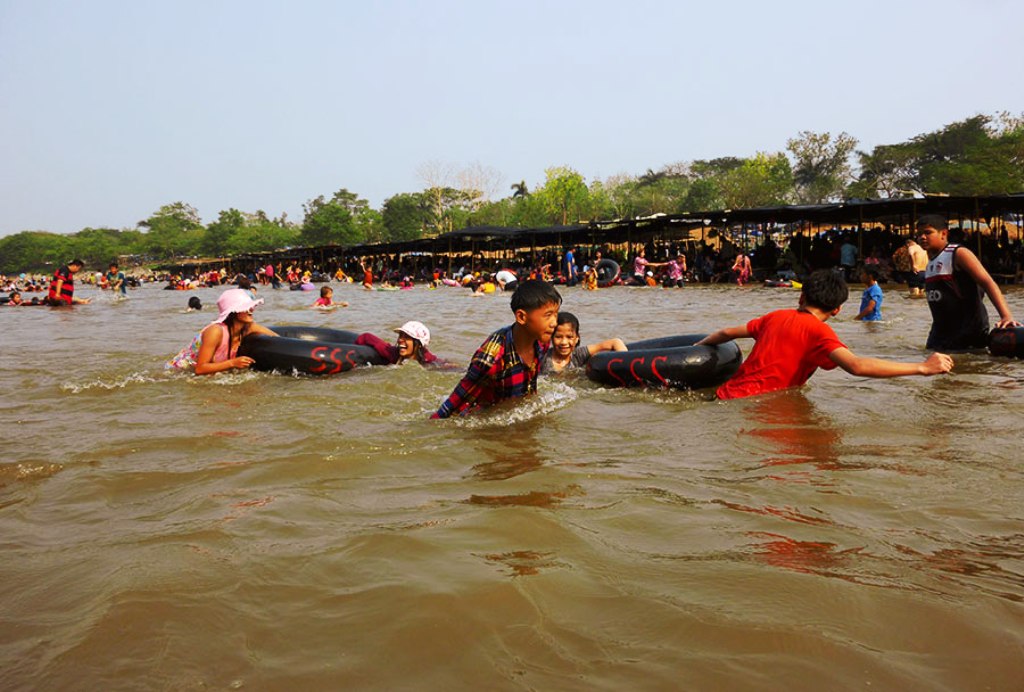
215	348
411	344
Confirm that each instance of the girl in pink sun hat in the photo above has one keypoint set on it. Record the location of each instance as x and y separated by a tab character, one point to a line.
215	348
411	344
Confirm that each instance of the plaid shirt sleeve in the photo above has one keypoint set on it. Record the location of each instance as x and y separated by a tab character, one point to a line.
478	383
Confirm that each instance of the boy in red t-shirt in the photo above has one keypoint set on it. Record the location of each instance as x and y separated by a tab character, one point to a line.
791	344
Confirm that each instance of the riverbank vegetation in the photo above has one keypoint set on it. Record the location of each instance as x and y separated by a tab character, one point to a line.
982	155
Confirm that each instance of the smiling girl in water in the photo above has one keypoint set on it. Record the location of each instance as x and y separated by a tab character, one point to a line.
411	344
566	352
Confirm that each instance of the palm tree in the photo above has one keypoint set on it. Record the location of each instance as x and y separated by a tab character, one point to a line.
650	178
519	189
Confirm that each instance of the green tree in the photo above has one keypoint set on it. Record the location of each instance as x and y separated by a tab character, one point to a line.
333	221
661	192
822	169
977	156
971	157
599	201
219	234
236	232
450	207
564	194
405	216
100	246
498	213
529	212
706	191
617	196
704	194
174	230
764	180
888	171
32	251
260	234
370	226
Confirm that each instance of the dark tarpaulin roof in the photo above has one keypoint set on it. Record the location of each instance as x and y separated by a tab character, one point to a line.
489	238
852	211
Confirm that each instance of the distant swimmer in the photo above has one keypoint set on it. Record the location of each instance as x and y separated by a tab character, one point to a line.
326	300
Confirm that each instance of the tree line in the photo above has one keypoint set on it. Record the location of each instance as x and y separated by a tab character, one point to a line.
982	155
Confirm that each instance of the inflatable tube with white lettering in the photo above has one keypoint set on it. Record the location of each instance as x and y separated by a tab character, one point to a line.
608	272
1007	342
309	350
672	361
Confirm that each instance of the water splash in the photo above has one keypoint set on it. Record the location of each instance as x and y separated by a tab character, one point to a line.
118	383
552	397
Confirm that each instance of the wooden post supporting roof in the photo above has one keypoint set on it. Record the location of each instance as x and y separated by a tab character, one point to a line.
977	229
860	232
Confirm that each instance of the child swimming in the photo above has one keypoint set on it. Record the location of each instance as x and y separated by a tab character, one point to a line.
326	299
566	352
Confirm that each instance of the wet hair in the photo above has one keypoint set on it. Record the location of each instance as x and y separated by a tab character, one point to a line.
324	290
418	350
229	322
194	303
569	318
76	262
242	281
532	294
936	221
825	289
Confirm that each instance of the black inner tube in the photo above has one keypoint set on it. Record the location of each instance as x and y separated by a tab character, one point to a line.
337	336
672	361
309	350
1007	342
608	272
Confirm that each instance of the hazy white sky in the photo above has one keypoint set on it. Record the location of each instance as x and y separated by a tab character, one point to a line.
111	108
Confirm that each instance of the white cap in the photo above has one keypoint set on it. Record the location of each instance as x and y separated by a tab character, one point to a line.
416	330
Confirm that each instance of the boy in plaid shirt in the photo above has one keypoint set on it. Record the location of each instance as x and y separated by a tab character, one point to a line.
507	363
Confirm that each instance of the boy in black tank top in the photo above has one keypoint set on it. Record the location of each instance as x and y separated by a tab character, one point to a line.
954	281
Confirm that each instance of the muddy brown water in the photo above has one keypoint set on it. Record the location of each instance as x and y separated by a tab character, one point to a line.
268	532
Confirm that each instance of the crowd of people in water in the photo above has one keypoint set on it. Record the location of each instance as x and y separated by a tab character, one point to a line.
789	345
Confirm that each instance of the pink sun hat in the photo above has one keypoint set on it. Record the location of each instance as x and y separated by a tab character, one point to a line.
235	300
